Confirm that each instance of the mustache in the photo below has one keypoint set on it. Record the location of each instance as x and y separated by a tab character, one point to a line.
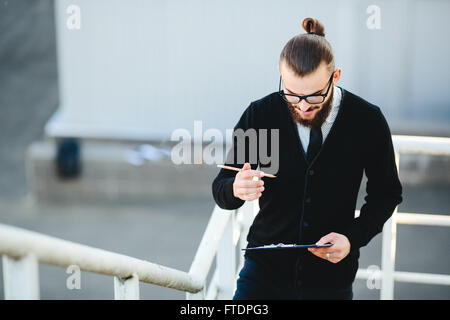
308	109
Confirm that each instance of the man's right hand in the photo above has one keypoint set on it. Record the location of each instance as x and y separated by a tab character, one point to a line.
244	187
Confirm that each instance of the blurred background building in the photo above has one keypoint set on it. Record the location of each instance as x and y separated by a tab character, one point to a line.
134	71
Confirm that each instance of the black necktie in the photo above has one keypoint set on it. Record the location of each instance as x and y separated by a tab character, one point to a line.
315	142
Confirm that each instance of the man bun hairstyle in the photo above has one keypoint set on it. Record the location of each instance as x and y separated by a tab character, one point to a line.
313	26
305	52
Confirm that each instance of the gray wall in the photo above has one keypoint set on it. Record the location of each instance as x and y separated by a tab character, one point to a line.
141	69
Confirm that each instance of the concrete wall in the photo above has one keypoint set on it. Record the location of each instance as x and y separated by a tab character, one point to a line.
140	69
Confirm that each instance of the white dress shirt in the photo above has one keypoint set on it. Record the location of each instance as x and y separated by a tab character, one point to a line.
327	124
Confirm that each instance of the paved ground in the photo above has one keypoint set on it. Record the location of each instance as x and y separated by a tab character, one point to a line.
165	231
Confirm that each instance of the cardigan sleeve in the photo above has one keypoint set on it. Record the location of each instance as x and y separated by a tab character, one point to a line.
222	186
383	188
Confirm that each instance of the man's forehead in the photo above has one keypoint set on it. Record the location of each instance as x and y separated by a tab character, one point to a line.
306	85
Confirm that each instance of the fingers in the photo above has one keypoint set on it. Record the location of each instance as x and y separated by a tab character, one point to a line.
249	183
338	251
248	186
249	174
321	252
247	191
245	186
329	238
331	257
326	254
246	166
250	197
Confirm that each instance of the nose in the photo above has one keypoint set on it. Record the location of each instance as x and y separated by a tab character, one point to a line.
303	105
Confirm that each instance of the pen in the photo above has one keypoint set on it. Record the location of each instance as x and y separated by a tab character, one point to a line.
237	169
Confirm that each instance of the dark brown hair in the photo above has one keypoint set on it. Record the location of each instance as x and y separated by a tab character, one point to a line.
304	52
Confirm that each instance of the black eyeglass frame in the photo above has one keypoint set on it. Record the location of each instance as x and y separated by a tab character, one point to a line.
324	95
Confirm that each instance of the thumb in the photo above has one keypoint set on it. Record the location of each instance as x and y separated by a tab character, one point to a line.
246	166
325	239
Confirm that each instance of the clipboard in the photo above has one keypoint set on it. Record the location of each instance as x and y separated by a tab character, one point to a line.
288	246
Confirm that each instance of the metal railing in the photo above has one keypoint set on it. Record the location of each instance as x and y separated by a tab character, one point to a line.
22	250
226	232
388	275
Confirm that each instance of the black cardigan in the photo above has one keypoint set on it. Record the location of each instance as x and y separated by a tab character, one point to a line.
308	201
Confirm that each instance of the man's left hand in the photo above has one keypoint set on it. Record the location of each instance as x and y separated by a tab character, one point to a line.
335	253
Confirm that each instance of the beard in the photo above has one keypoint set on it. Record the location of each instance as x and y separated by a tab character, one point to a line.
318	119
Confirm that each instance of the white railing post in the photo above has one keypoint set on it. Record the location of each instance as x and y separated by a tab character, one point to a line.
388	251
21	277
388	259
226	261
126	289
247	216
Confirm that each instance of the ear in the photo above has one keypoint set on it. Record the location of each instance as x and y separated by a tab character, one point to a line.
336	76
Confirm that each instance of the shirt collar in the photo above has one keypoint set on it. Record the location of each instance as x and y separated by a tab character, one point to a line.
334	105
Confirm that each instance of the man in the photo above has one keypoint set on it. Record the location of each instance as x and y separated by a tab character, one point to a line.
328	137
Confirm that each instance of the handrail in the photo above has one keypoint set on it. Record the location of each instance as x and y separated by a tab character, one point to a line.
403	276
421	219
16	243
421	145
407	145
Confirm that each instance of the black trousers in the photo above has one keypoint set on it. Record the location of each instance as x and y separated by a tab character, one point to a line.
254	283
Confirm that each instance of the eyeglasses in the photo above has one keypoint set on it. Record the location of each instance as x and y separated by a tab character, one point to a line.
311	99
